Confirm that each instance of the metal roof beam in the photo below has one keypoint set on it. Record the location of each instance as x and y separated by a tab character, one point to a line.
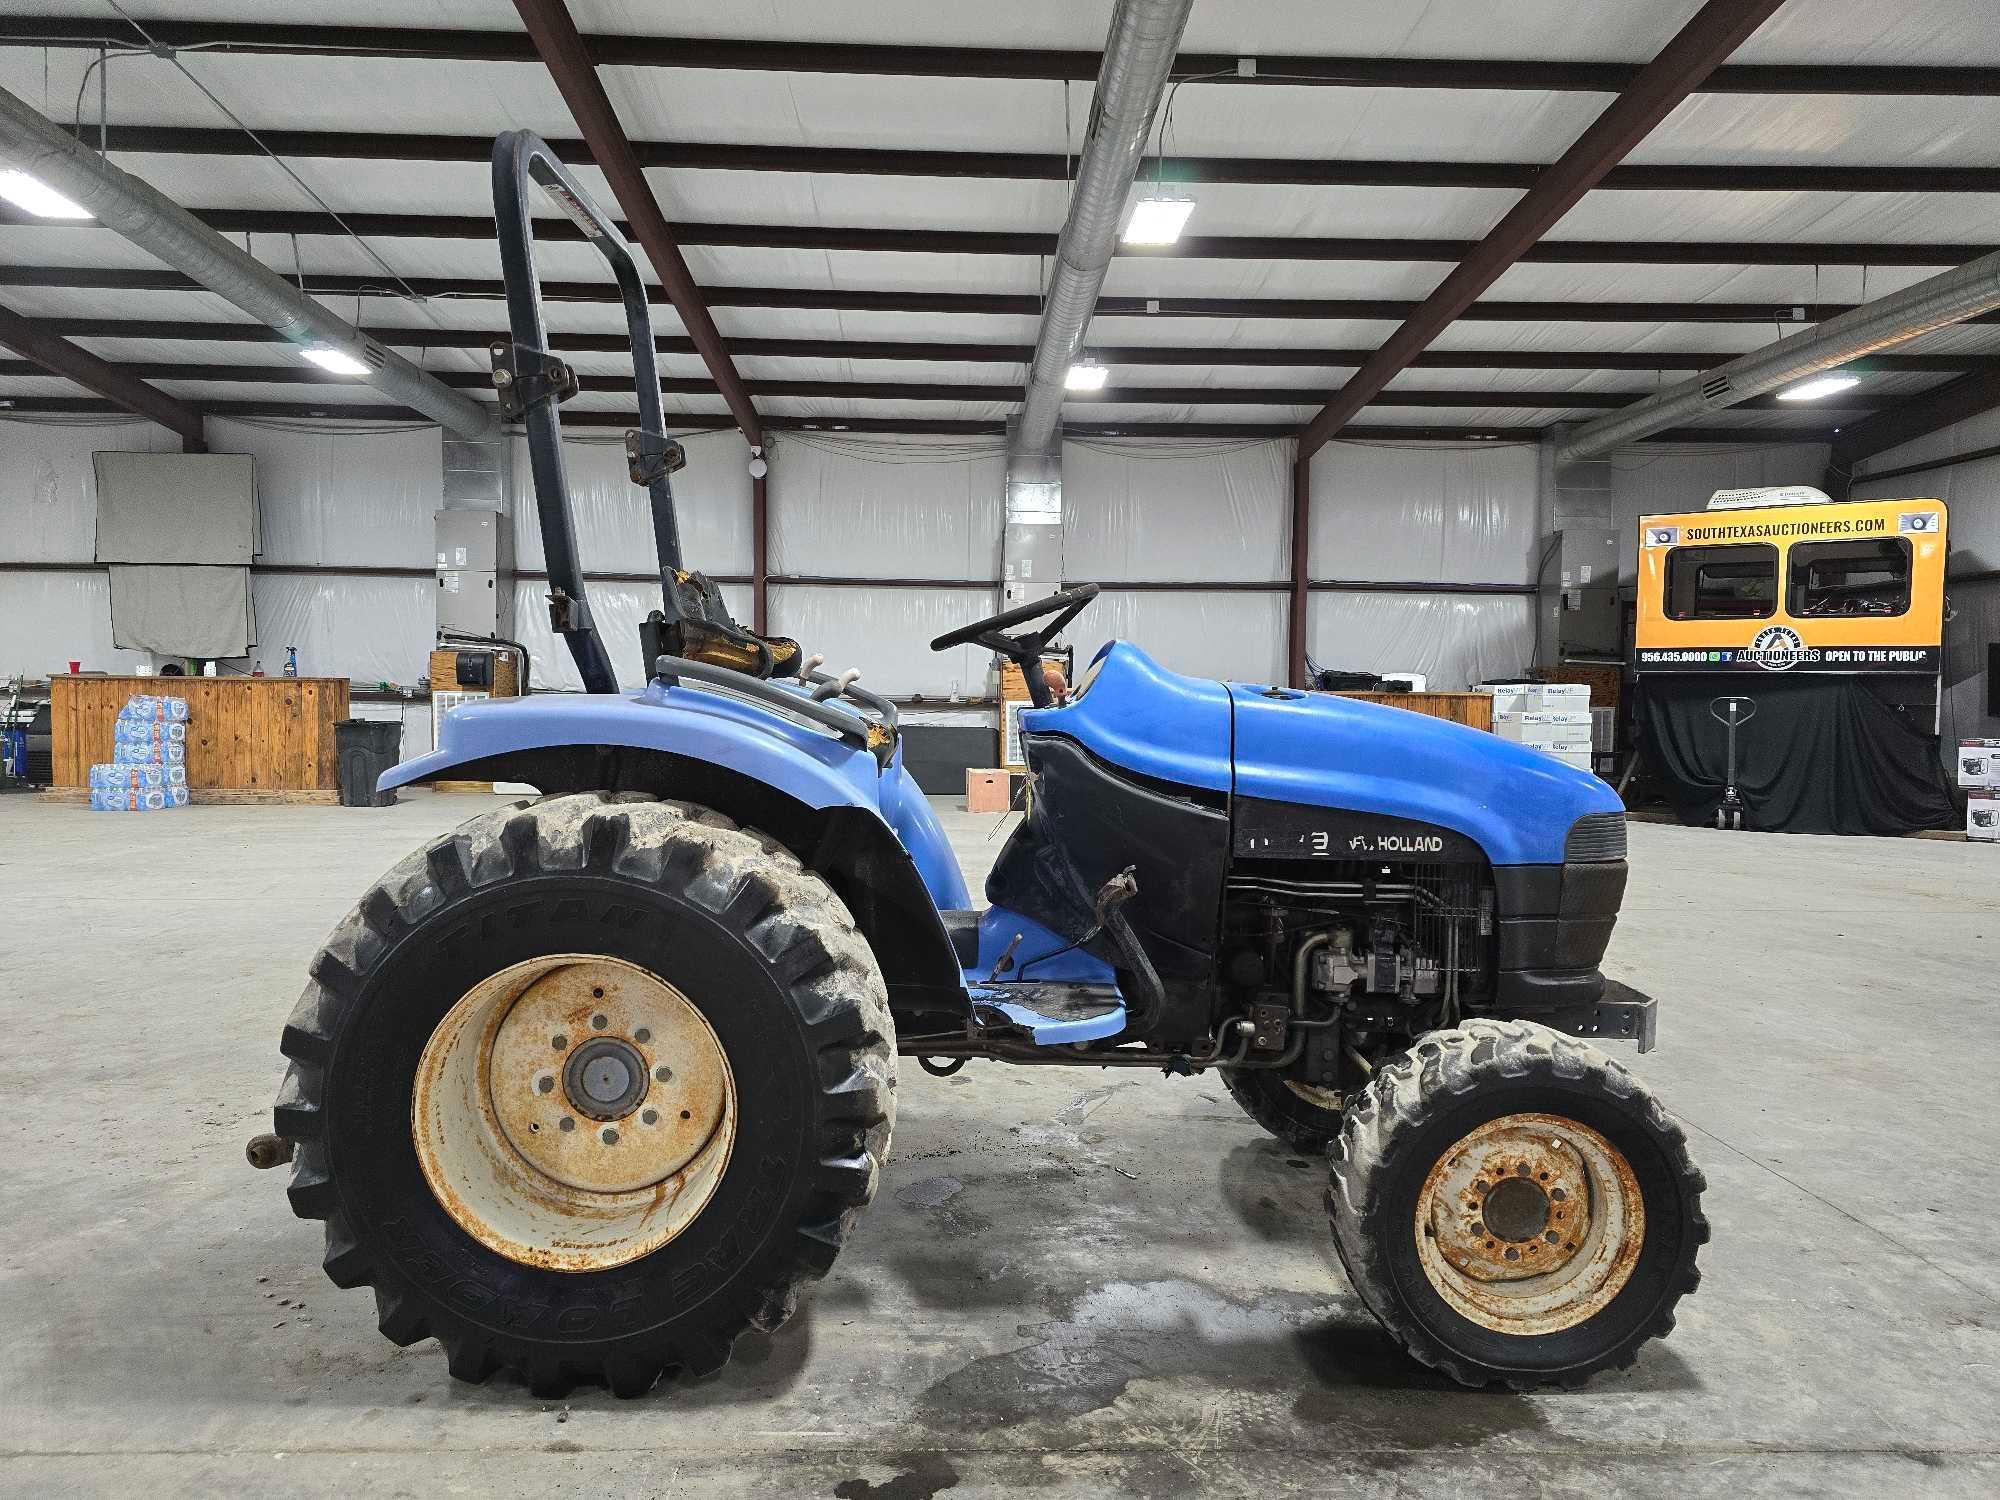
479	228
1937	408
1038	166
1715	31
763	55
1778	316
569	63
57	356
940	352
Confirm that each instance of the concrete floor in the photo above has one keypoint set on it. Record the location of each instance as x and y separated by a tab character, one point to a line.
1073	1282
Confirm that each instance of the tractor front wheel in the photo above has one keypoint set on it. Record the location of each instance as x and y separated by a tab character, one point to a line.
588	1088
1514	1207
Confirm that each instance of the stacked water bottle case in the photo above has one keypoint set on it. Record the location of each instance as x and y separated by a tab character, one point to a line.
148	768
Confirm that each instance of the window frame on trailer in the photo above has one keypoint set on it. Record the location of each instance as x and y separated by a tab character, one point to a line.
1802	555
1709	555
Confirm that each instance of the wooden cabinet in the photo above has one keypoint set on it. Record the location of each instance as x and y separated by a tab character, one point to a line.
249	738
1474	710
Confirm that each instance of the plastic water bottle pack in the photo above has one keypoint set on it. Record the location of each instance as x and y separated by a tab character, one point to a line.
148	767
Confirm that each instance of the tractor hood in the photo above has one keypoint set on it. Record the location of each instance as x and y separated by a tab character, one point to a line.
1317	750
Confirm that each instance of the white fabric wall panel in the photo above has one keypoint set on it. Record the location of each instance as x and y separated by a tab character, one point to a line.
1163	512
370	629
617	609
887	633
48	487
1455	640
342	499
1238	635
613	521
1396	514
48	620
900	508
1658	479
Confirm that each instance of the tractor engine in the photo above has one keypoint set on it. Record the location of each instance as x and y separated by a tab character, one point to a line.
1366	953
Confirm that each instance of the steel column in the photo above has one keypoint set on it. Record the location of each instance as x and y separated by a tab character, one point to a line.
1296	617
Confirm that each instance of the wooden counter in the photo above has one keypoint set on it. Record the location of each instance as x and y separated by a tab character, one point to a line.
250	739
1474	710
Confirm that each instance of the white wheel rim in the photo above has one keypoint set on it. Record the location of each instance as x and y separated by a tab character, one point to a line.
1530	1224
574	1112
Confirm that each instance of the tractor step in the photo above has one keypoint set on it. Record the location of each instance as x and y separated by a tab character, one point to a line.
1052	1014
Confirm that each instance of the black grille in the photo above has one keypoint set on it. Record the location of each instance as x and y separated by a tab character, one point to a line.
1596	836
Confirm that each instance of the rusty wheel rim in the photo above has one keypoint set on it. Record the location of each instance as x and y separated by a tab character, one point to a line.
1530	1224
574	1112
1318	1098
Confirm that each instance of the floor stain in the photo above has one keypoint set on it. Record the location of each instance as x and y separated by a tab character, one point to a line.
924	1476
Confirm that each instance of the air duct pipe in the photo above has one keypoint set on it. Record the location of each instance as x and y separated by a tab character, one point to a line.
1138	57
1951	297
163	228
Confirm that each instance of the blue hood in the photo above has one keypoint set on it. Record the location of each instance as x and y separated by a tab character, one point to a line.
1282	745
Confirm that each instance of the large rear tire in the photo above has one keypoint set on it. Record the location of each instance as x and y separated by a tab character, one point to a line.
1515	1207
705	1094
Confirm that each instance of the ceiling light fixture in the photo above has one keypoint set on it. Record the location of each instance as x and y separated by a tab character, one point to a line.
38	198
1085	375
1158	218
1825	385
336	361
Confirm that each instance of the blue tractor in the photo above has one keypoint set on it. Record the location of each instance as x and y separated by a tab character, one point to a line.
592	1085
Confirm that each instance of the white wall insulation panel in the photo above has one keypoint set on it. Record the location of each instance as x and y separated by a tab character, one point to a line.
893	508
370	629
1455	640
48	485
614	520
1235	635
1458	513
342	499
48	620
1176	512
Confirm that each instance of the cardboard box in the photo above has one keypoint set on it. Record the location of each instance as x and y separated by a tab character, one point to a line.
1978	763
1565	695
988	791
1569	755
1982	817
1566	727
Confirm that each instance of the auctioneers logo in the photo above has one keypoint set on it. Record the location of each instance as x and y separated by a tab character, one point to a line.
1777	648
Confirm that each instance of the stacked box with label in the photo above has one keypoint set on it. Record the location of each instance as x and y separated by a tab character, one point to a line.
1552	717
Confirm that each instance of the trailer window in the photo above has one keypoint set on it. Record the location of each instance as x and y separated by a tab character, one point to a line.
1848	578
1722	583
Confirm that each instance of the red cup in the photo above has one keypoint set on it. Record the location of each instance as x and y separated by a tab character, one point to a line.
75	667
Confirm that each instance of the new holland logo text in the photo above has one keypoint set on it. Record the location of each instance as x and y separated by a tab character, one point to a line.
1778	648
1396	843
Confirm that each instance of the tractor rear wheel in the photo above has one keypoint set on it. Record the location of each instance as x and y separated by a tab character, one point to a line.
587	1088
1303	1116
1514	1206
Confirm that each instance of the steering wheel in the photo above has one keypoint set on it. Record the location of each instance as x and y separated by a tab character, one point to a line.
1025	651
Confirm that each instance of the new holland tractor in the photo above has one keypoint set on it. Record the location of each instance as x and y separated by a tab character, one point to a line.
594	1084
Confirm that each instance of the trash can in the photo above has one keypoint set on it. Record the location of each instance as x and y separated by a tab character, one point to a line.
366	748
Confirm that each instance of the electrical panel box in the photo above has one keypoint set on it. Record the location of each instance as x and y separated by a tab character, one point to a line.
475	572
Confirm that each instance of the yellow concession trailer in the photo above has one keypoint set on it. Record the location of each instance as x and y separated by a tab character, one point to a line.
1843	586
1788	650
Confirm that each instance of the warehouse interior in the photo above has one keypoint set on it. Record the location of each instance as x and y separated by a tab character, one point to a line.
1306	352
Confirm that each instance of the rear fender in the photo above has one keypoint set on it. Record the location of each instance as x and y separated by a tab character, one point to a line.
863	827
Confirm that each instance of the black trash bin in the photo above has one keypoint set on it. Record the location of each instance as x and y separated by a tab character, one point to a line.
366	748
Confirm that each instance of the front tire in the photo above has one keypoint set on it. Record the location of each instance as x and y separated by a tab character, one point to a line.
717	987
1514	1207
1303	1116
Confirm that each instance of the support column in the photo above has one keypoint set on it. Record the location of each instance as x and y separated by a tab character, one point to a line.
1295	628
760	544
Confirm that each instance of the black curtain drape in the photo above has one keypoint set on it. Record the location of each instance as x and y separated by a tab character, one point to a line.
1824	754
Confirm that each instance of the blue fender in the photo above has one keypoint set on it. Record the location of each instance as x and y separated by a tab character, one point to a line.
808	765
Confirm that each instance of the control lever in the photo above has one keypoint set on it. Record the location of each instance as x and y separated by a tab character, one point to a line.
838	686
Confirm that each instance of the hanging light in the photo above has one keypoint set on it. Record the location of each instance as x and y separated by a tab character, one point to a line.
1158	218
336	361
38	198
1824	385
1085	375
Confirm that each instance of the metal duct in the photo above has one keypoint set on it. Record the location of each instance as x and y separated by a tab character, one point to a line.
161	227
1138	56
1950	297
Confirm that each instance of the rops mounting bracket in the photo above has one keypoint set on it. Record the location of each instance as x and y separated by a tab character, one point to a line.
651	457
524	377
